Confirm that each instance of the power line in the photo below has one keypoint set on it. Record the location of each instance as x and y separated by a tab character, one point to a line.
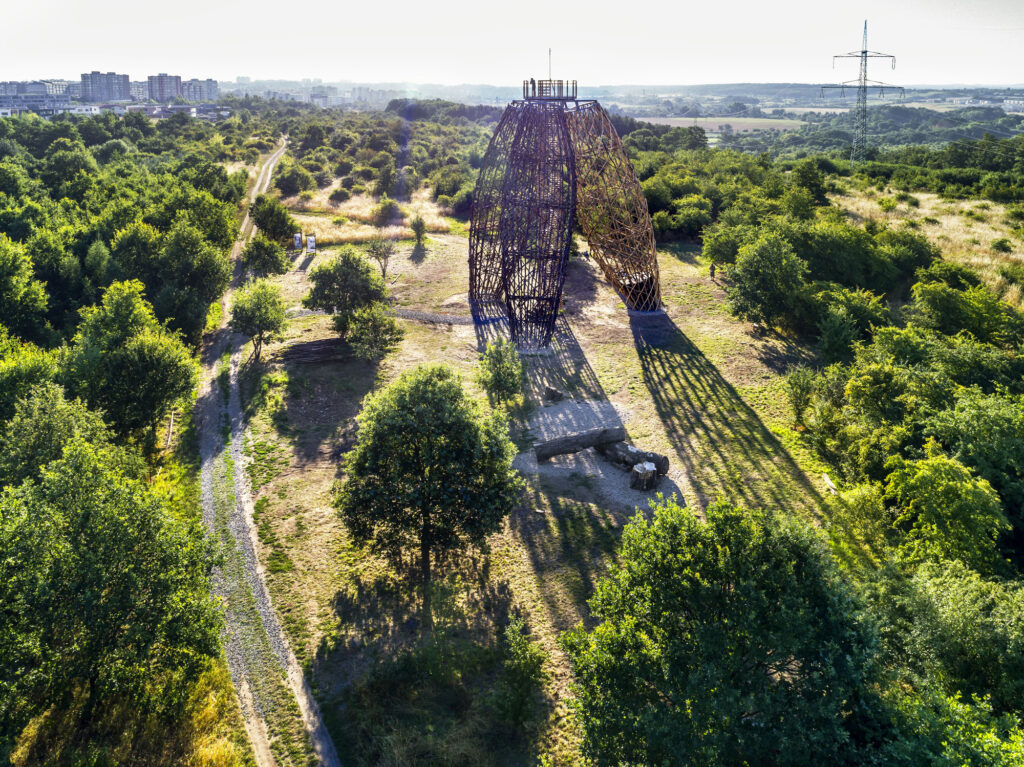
860	131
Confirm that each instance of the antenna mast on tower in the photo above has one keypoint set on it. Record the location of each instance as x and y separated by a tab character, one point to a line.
860	116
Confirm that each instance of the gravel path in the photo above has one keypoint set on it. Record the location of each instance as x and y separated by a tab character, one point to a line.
275	697
433	318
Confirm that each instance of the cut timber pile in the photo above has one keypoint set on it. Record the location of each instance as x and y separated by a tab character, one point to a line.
627	456
573	443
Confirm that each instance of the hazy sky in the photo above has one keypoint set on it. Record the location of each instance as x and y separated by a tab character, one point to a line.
601	42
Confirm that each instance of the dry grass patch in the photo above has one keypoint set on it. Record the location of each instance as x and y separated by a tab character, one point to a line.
963	230
355	220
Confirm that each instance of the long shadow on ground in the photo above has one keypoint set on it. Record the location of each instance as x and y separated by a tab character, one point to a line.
398	695
725	448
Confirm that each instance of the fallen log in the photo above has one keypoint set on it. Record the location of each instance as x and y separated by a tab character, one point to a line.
573	443
628	456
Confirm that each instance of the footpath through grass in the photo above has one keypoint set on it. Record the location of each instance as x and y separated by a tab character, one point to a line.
696	385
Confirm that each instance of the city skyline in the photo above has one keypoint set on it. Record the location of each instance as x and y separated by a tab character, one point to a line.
970	43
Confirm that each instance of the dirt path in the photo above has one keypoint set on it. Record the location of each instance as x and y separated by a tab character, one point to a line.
282	718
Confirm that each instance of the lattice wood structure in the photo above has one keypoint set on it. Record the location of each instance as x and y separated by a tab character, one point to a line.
553	161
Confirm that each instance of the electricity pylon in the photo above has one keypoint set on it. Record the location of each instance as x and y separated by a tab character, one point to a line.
860	116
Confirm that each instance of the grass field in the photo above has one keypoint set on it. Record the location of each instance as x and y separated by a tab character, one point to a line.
696	385
963	230
738	124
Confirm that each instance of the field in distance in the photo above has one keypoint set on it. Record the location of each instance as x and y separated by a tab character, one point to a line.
737	123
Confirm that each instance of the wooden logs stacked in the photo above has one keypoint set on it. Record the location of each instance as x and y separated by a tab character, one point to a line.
627	456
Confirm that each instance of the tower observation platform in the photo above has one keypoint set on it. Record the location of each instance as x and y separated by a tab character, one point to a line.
552	90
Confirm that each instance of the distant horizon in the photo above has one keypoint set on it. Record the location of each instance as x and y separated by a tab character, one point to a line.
516	84
934	41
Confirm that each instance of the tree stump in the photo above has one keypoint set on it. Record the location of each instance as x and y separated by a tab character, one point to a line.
551	394
643	476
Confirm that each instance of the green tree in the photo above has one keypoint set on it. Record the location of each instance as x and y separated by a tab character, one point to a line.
419	228
342	285
135	250
272	218
727	642
190	275
946	627
105	592
259	313
500	371
42	424
984	432
373	331
22	366
123	362
767	279
381	249
946	511
262	257
22	297
807	175
294	179
429	472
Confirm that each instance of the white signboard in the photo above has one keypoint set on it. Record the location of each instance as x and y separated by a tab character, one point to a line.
298	241
311	242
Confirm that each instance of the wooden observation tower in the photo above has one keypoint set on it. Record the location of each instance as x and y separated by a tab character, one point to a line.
555	160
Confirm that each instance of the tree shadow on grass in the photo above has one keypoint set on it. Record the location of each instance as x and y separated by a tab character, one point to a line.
725	449
682	250
780	353
314	404
418	254
570	537
391	693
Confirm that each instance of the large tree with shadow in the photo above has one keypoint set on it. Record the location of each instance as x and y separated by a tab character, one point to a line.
430	472
730	641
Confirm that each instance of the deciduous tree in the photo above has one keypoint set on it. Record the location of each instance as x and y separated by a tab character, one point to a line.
258	312
429	473
342	285
263	256
727	642
125	363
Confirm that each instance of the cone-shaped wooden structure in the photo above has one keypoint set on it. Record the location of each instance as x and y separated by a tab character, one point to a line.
552	161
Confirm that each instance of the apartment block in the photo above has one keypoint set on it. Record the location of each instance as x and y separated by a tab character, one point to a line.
105	86
200	90
164	87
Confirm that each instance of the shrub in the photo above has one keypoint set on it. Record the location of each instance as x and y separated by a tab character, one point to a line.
501	370
799	390
339	195
386	211
294	180
462	202
837	332
518	695
1013	273
373	331
262	256
419	228
1002	245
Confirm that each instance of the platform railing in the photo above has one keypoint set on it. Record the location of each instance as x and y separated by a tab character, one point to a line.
549	89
